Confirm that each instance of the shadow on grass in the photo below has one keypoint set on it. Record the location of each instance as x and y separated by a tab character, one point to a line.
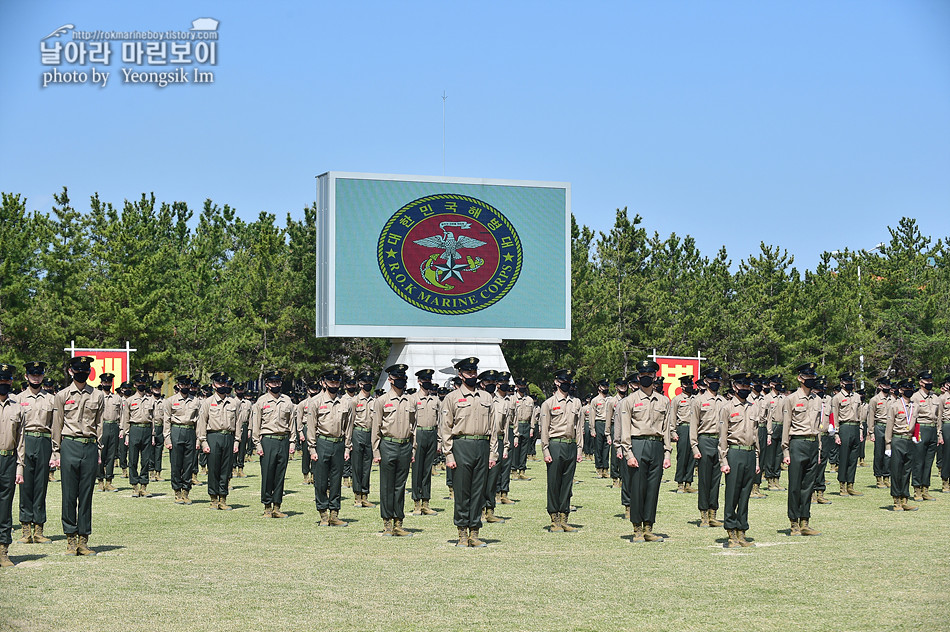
30	557
105	548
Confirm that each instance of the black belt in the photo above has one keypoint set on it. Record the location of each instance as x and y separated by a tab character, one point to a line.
849	423
649	438
230	432
804	437
708	434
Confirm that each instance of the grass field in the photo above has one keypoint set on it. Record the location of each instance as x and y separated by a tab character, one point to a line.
163	566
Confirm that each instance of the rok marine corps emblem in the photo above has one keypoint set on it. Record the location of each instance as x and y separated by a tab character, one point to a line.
449	254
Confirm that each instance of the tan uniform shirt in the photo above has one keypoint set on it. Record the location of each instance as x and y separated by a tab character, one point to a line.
562	418
393	416
217	414
467	412
427	410
158	413
113	407
846	407
11	431
928	409
244	413
77	412
363	411
944	408
180	411
273	414
37	411
138	410
300	417
773	403
704	418
329	416
737	426
524	411
877	411
499	415
801	417
901	417
643	415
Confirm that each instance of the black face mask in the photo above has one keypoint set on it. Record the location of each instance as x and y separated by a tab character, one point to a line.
351	390
5	389
333	390
274	389
490	387
907	393
811	383
622	390
400	383
426	385
847	387
223	390
757	388
522	391
471	381
927	387
743	393
81	376
366	388
688	390
645	380
140	388
102	387
128	392
713	386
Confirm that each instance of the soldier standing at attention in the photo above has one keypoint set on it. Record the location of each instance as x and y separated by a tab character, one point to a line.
243	427
927	408
217	423
158	440
362	456
12	456
704	440
617	464
487	381
350	388
826	439
877	423
645	443
77	427
846	407
602	409
801	425
681	410
738	458
180	440
760	412
944	421
394	430
36	406
771	461
135	428
899	445
562	442
300	411
470	447
329	422
524	416
110	432
273	432
504	464
427	438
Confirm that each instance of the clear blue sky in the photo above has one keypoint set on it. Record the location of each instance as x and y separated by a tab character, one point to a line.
811	125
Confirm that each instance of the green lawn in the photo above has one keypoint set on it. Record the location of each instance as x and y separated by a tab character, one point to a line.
163	566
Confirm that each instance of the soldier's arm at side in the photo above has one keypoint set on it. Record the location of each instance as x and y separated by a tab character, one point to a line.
57	430
201	428
786	427
376	434
256	427
723	441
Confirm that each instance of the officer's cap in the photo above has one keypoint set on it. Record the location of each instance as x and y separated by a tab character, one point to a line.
467	364
565	375
488	376
620	381
712	373
457	380
349	380
775	379
273	376
647	366
926	374
155	383
906	383
379	392
822	381
334	374
365	376
860	391
48	381
106	378
847	376
946	380
743	377
884	381
206	389
410	391
140	378
397	370
603	382
443	391
219	378
521	381
633	378
125	385
659	380
425	375
36	368
6	371
81	363
686	380
183	379
808	368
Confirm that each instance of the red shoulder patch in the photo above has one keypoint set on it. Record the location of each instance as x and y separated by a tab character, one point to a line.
70	401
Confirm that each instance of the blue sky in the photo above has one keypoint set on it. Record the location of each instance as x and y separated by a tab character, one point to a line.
811	125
